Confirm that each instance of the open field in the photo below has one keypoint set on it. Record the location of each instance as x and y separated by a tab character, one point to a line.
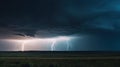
59	59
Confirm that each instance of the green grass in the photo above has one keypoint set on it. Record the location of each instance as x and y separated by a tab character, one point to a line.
48	59
58	62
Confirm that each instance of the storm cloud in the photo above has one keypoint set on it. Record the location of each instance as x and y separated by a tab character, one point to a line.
99	19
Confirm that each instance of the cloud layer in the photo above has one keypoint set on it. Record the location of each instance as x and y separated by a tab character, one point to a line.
53	18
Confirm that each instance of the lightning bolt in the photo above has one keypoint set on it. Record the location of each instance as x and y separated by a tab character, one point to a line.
68	45
23	46
53	45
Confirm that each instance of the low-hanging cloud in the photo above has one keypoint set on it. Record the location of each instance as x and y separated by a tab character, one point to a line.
54	18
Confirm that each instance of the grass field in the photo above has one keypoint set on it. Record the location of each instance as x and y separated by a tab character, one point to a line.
59	59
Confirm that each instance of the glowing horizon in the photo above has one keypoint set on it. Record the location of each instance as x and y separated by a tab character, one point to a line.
42	41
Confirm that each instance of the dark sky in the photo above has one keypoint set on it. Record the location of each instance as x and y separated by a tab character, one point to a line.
97	19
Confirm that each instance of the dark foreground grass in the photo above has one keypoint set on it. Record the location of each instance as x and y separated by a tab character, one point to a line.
76	60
